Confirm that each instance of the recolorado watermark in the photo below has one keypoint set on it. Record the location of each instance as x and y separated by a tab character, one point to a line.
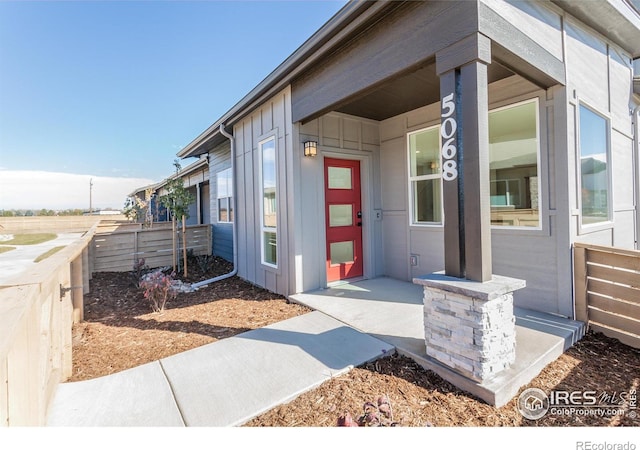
534	404
589	445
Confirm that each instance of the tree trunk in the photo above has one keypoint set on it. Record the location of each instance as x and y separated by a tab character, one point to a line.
173	240
184	244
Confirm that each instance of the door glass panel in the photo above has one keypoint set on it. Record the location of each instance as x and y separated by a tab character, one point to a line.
341	252
340	215
339	178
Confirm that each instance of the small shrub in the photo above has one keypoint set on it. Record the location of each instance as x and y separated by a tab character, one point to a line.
203	262
158	289
373	415
139	270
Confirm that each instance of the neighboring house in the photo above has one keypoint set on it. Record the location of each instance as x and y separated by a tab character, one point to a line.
196	179
553	80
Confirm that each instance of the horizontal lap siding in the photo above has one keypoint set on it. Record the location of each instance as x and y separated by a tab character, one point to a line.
223	241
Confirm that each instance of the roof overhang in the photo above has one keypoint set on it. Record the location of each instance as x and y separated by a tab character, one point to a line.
345	22
618	20
183	173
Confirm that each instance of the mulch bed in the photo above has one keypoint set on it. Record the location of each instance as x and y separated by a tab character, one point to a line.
421	398
120	332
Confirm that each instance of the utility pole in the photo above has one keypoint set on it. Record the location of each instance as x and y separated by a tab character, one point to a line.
90	196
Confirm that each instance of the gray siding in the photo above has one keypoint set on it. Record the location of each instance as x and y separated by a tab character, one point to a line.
528	254
271	118
599	74
540	23
347	137
222	242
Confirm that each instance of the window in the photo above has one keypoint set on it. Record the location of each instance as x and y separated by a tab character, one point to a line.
514	165
268	207
225	195
594	167
425	179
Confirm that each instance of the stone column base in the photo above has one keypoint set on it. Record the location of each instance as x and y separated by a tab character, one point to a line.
470	326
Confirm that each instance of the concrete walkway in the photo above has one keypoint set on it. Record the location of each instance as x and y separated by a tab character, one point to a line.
229	382
392	311
225	383
14	262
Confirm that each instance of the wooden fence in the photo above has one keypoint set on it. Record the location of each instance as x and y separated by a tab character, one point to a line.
117	251
37	310
607	291
39	307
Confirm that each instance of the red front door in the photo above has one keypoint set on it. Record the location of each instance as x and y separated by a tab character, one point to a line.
343	218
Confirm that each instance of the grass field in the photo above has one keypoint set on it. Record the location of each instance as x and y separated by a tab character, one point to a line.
30	239
48	253
6	249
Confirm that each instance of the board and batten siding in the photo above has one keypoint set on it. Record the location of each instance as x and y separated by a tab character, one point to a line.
600	76
528	254
339	136
219	159
271	118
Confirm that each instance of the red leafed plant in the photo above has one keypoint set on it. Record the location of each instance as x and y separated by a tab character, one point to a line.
373	415
158	289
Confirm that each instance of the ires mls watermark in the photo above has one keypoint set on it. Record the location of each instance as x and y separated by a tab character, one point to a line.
534	403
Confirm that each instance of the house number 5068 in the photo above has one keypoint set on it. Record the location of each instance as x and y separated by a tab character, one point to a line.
448	132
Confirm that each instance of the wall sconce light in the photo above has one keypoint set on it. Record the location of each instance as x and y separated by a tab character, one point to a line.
310	148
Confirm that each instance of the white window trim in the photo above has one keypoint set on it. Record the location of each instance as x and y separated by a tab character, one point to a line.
229	197
607	224
412	221
434	176
535	100
263	229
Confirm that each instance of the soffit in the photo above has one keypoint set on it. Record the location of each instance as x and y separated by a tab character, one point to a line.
407	92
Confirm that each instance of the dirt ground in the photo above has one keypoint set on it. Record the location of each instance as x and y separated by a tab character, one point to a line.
121	332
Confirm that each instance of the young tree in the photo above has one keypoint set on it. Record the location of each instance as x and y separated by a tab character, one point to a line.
177	201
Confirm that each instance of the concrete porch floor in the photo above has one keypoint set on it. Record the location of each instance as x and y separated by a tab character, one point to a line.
392	311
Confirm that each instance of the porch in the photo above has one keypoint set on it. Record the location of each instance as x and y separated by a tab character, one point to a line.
392	311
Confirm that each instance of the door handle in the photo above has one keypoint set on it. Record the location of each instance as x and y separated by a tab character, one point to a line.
359	224
359	215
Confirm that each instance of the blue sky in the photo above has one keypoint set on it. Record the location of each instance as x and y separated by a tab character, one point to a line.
115	89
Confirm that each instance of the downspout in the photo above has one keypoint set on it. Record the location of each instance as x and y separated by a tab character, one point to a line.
199	284
636	154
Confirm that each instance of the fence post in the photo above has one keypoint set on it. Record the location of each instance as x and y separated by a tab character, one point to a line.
87	266
580	283
136	236
77	286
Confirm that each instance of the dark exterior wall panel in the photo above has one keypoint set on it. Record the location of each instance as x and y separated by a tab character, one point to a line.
409	37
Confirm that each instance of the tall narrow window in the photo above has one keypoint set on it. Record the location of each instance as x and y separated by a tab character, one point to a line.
225	195
425	178
594	167
513	162
268	216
